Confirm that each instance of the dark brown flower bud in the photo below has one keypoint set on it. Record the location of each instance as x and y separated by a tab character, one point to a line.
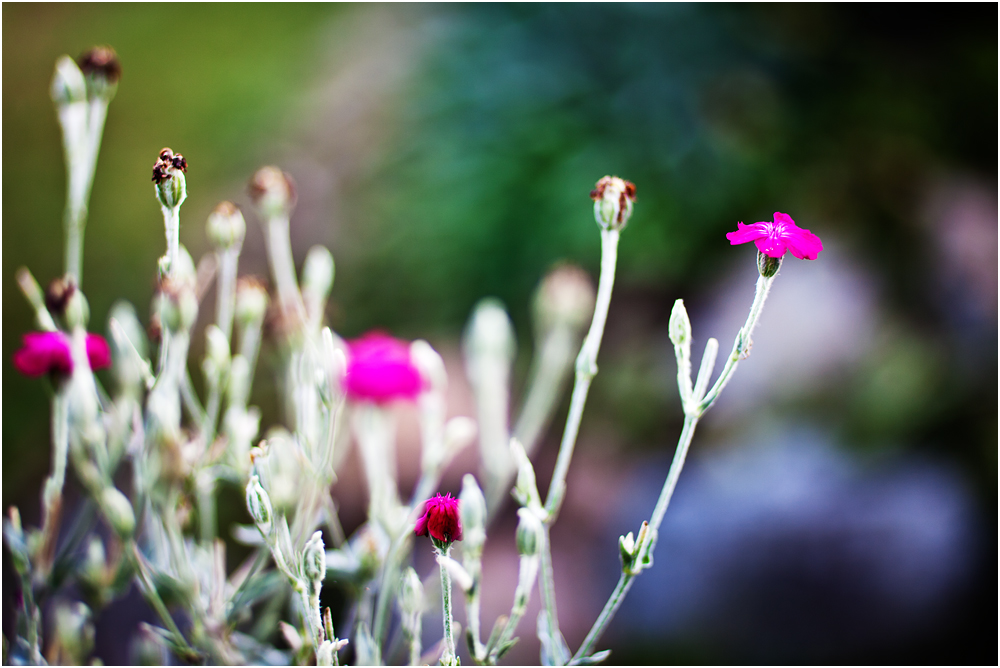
58	294
101	61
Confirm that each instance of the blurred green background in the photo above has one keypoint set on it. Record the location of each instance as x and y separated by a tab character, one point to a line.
445	153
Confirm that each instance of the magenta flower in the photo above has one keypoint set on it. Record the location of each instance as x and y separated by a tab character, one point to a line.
440	519
98	352
49	352
379	369
774	238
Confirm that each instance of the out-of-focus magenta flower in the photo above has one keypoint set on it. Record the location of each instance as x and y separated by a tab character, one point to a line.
44	352
49	352
775	238
379	369
440	519
98	352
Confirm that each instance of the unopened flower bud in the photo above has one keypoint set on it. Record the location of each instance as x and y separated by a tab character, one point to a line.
147	648
472	505
68	83
613	198
94	561
411	592
58	292
530	532
259	505
74	630
251	300
273	192
566	295
238	388
102	69
216	349
169	179
429	364
767	266
490	332
177	305
77	312
317	273
626	549
680	325
226	227
118	510
314	560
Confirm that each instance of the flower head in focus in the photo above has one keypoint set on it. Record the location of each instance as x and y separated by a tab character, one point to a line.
441	519
379	369
49	352
169	179
613	198
775	238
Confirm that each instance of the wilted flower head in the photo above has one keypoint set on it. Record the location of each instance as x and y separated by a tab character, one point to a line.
775	238
168	176
101	61
49	352
58	293
613	198
380	369
441	519
102	71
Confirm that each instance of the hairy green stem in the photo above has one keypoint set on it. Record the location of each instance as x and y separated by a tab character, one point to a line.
586	369
448	657
53	487
741	346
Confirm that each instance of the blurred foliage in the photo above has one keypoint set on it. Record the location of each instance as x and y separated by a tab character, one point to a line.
717	113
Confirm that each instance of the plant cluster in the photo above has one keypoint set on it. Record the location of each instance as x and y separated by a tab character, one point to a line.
179	444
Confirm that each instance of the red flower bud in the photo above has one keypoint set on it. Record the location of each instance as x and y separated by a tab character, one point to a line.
440	519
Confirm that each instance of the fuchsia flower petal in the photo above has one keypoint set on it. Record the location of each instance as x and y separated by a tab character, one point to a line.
379	369
98	352
745	233
440	519
776	238
44	352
